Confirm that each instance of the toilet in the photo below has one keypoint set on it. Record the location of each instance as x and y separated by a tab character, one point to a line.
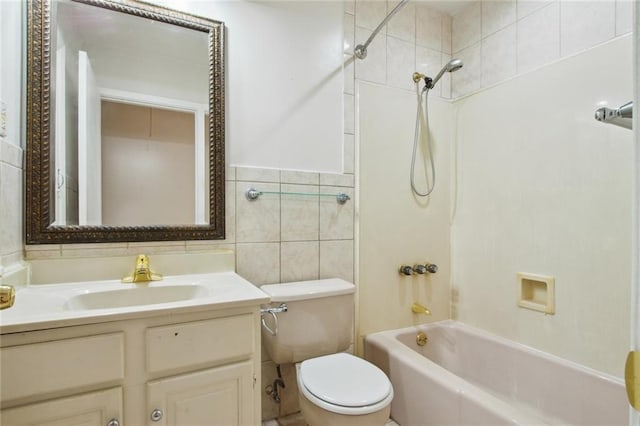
335	388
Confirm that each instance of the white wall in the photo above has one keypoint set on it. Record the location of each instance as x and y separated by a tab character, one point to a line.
544	188
284	74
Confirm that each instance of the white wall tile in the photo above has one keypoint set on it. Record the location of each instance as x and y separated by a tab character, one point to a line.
300	214
259	262
257	220
447	23
526	7
230	173
334	179
230	213
350	6
374	67
300	261
428	27
499	56
539	38
401	59
255	174
42	251
349	153
428	62
349	31
336	220
302	178
336	259
11	212
445	81
466	27
467	79
403	23
496	15
10	154
349	114
133	249
584	24
369	14
349	74
624	16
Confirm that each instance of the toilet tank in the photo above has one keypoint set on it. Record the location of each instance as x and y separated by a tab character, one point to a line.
319	319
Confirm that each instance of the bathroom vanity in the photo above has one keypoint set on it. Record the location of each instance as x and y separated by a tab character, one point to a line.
68	359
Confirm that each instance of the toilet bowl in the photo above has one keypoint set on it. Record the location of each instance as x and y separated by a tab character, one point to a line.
314	330
342	389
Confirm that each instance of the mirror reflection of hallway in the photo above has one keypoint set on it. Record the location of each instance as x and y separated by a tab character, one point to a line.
148	175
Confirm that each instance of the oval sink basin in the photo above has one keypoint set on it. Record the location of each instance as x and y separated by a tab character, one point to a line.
134	297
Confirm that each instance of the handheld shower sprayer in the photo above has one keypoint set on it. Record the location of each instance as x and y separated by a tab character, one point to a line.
453	65
429	83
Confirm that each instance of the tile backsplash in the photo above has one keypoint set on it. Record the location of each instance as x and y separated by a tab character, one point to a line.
277	238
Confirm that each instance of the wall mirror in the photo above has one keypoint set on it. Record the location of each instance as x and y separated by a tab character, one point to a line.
125	123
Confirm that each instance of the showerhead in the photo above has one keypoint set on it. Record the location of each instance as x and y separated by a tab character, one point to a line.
453	65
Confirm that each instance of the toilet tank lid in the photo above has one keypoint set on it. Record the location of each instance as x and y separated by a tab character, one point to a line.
304	290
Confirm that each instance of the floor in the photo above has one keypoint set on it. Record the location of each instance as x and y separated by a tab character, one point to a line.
297	420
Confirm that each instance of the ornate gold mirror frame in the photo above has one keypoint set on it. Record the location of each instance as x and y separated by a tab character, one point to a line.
39	207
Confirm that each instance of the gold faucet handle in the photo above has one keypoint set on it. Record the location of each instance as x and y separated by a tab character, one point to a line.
7	296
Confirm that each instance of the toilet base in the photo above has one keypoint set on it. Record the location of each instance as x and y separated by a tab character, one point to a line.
316	416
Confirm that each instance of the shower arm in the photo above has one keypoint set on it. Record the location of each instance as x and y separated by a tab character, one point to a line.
361	49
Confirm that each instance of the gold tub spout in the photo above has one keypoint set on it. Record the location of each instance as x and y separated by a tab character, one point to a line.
142	272
417	308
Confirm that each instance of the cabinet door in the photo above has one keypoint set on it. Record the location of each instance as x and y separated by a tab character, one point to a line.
90	409
218	396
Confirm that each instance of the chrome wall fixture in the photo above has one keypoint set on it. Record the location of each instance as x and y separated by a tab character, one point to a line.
361	49
420	269
620	117
252	194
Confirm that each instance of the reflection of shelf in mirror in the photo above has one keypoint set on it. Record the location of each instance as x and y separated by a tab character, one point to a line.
253	194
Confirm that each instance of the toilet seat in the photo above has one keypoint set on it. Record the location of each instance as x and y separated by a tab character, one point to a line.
344	384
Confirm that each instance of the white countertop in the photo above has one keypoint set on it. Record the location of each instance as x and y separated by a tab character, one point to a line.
45	306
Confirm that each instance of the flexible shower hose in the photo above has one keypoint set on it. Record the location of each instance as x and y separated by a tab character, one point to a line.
425	93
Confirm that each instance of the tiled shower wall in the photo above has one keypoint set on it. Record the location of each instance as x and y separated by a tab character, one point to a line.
498	40
418	38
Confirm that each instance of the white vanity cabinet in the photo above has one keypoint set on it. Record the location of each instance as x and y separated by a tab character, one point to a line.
197	368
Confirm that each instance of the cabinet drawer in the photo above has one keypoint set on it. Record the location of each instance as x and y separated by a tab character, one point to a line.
49	367
89	409
199	343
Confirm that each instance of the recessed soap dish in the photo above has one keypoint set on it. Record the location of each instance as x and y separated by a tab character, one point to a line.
537	292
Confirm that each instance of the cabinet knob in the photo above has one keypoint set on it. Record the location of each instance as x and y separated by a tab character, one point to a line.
113	422
156	415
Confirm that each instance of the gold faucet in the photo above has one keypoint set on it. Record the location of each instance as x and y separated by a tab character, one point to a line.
7	296
417	308
142	272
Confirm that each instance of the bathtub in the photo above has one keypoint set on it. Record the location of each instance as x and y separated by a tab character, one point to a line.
464	376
